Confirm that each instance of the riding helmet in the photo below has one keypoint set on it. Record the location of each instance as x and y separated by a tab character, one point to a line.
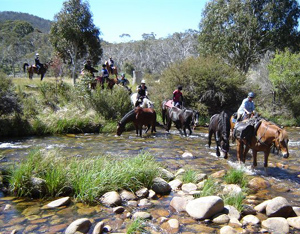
123	75
37	54
251	95
180	87
143	82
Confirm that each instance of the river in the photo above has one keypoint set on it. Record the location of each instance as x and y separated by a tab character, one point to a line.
166	147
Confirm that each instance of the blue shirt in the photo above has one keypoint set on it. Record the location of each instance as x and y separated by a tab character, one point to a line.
246	105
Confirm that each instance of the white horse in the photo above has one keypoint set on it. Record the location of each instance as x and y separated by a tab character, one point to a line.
145	104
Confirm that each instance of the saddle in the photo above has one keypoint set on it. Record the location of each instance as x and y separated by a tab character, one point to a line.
245	130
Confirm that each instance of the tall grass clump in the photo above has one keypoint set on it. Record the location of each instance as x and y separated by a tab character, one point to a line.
136	226
210	188
235	200
86	179
189	176
236	176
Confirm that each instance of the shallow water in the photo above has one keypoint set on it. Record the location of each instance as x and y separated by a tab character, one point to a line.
166	147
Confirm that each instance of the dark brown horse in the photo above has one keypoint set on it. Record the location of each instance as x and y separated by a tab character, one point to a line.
111	71
182	118
219	126
265	136
33	69
140	117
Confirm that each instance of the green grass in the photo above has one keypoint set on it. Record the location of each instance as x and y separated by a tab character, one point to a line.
210	188
236	176
137	226
88	178
235	200
189	176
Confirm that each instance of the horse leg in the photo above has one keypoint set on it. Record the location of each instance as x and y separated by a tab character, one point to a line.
189	128
239	150
217	143
141	128
42	76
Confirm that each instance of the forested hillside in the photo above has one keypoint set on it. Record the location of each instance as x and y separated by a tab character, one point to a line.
41	24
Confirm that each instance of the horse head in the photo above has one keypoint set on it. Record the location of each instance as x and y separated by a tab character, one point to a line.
120	128
281	142
195	120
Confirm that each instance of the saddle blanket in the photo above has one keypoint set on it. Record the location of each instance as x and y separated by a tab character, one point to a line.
169	103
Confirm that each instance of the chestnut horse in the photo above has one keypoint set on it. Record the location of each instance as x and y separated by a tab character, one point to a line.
113	71
265	136
33	69
139	116
219	126
99	80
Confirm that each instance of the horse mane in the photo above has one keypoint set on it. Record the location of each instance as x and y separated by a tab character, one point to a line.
223	123
124	120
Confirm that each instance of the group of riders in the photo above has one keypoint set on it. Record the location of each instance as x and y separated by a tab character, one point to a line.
246	109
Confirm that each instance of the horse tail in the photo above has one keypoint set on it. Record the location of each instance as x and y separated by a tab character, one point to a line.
25	65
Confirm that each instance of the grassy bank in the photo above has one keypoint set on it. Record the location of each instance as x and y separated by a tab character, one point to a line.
84	179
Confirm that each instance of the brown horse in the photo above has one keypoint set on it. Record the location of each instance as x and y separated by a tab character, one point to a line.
139	116
113	71
265	136
100	80
33	69
219	126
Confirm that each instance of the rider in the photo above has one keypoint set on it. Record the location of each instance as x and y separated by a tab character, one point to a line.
88	67
142	92
247	107
104	73
123	80
111	63
38	64
178	97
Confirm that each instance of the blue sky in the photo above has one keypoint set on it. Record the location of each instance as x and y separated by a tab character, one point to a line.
133	17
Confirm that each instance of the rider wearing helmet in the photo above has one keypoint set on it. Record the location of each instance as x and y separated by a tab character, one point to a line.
38	64
178	97
123	80
142	92
247	107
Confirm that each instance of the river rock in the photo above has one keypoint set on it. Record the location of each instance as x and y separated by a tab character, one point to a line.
200	177
187	154
205	207
218	174
279	207
81	225
179	203
258	183
232	212
232	189
111	199
221	219
294	222
167	175
276	225
144	203
160	186
126	195
228	230
98	229
59	202
296	209
262	206
38	186
142	215
151	194
175	184
250	219
142	193
118	209
189	187
179	172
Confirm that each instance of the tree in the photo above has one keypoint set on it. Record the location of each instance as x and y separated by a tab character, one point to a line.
241	31
74	36
285	76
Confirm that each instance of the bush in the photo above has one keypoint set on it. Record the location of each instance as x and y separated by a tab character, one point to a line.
9	102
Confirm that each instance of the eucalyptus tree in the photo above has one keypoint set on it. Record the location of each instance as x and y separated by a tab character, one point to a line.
240	31
74	35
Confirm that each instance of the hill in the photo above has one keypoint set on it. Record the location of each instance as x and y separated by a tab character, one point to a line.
41	24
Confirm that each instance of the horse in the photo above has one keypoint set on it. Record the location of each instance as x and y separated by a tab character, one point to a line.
139	116
266	134
185	117
113	71
100	80
33	69
146	103
219	126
